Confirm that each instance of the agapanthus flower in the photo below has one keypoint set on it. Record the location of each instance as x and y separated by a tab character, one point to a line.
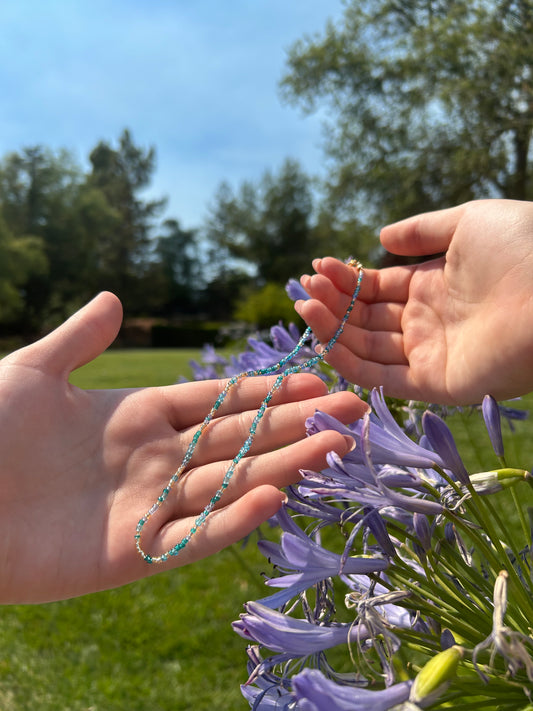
314	692
393	555
439	436
491	415
293	636
311	561
390	444
264	689
295	291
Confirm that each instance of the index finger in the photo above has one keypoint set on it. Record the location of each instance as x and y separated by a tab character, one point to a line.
378	285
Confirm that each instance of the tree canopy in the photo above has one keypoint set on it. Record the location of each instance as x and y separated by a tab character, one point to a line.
431	102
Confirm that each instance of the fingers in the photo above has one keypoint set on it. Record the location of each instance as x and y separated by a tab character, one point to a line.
222	527
381	316
395	378
278	468
80	339
189	403
378	285
252	497
384	347
428	233
280	425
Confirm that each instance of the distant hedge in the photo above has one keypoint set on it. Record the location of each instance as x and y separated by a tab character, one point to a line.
163	336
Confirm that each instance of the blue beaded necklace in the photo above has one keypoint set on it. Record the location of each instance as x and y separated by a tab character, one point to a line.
270	370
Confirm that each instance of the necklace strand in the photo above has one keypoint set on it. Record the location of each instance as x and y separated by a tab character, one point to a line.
269	370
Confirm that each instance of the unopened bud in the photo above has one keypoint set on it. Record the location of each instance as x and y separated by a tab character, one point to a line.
498	479
433	679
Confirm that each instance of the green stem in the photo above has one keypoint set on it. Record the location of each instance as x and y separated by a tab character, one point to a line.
522	599
521	516
456	617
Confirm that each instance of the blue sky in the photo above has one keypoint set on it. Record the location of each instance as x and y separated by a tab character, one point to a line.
197	79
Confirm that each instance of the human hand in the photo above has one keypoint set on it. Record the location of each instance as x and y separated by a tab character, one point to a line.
449	330
79	468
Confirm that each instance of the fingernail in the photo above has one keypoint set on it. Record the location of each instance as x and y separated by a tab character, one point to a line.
316	264
350	441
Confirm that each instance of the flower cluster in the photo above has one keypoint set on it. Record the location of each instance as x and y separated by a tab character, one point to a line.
399	582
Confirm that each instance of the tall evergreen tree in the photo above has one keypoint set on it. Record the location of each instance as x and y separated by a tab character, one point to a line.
177	268
267	225
121	174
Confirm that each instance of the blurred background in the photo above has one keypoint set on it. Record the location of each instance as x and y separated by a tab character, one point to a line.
191	157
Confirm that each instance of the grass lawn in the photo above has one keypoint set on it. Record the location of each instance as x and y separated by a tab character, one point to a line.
135	368
164	643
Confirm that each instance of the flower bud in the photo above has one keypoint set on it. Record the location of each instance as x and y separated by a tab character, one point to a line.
433	679
491	415
422	531
498	479
441	440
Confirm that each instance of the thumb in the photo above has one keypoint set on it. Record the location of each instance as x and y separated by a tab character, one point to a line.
83	337
428	233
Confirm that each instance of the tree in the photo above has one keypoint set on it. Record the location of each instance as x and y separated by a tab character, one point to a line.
432	102
40	196
177	268
120	174
264	307
19	258
267	226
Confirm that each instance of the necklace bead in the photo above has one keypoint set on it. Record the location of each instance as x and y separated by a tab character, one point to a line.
245	448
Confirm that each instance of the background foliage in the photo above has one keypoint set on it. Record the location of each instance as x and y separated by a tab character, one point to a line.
428	102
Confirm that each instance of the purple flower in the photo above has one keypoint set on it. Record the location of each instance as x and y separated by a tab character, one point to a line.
511	414
290	636
390	444
295	291
441	439
310	506
491	415
314	692
285	339
265	696
389	497
352	476
382	599
422	531
264	689
313	563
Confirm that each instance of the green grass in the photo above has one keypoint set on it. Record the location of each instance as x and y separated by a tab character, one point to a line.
165	642
135	368
162	643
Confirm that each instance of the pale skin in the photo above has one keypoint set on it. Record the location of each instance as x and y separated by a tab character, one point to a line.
449	330
79	468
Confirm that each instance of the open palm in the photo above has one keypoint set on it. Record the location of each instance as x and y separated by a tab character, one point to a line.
448	330
79	468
